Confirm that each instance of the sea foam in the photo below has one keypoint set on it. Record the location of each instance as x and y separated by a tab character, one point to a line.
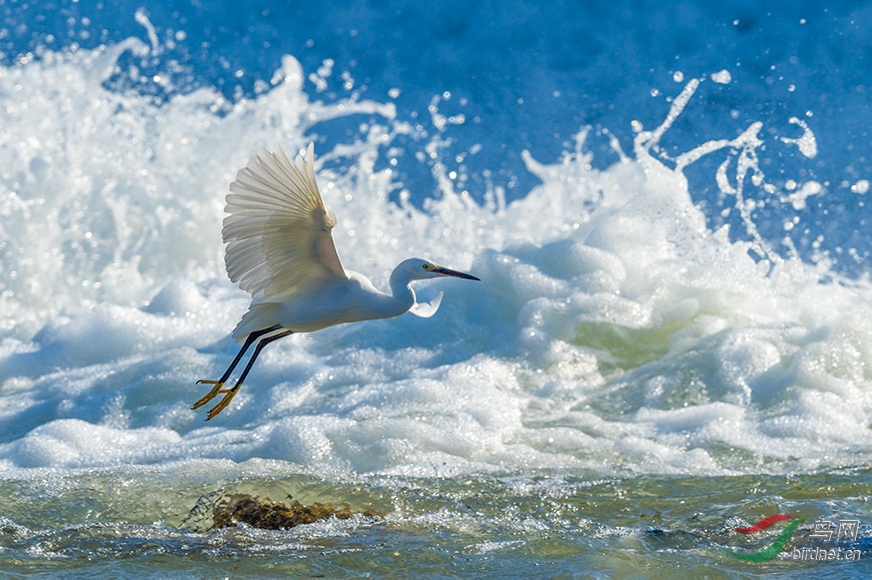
613	330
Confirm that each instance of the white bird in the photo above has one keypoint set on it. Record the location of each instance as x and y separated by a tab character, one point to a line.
280	250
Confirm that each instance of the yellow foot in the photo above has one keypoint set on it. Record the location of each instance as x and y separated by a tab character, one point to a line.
211	394
224	402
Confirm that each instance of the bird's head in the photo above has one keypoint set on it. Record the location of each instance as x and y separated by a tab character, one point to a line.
418	269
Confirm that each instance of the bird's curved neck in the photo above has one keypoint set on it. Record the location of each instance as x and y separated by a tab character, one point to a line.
404	296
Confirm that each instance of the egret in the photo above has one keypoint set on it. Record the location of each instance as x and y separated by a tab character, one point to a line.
281	251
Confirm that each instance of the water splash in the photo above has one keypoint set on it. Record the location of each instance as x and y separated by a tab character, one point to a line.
614	331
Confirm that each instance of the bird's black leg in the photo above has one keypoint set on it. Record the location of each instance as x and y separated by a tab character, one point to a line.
232	392
220	382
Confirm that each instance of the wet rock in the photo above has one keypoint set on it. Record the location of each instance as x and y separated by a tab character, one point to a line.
266	514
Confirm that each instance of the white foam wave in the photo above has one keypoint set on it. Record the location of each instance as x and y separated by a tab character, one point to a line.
613	330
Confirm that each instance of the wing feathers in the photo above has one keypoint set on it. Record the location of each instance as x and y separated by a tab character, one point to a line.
278	228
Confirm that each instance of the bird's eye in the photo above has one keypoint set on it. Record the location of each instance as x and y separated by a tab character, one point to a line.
429	267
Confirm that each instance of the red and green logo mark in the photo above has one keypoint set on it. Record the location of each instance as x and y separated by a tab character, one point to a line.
773	549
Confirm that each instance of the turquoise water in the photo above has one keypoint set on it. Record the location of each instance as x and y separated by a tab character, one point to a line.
149	521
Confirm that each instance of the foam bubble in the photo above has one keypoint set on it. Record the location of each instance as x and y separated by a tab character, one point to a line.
806	143
722	77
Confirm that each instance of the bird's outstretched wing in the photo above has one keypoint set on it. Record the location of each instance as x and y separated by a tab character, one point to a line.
278	228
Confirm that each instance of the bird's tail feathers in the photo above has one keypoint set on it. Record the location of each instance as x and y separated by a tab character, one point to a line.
259	316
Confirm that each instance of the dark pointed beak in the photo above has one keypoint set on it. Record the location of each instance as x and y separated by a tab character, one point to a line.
440	271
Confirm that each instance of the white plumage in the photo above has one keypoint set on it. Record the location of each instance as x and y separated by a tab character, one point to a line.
278	228
280	249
